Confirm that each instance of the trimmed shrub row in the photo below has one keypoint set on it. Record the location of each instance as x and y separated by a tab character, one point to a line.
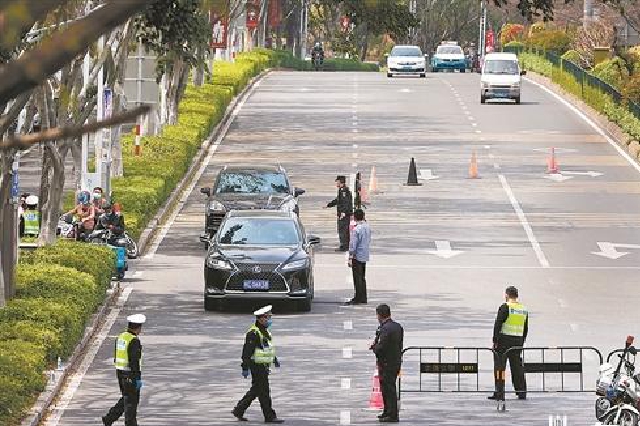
59	287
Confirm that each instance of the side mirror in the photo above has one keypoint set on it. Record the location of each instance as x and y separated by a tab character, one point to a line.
523	72
313	239
298	192
206	191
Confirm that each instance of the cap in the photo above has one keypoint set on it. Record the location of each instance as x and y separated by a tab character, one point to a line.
137	319
31	199
263	311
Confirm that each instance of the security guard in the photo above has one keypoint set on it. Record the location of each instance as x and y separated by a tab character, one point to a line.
128	359
31	216
258	354
510	330
344	208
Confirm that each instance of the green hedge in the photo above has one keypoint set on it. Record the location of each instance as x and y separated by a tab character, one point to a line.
58	288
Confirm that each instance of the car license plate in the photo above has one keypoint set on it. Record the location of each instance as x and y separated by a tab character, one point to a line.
256	285
501	95
407	69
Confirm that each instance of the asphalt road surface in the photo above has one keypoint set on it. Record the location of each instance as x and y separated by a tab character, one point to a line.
514	225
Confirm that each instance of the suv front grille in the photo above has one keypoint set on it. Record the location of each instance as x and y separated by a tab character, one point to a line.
251	267
276	281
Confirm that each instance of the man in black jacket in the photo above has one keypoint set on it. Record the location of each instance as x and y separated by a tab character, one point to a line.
258	353
127	359
510	330
344	208
111	220
388	349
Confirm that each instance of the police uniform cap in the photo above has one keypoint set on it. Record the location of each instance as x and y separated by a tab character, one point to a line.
263	311
31	200
137	319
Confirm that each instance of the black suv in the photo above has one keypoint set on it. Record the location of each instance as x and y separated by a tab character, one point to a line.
245	188
262	255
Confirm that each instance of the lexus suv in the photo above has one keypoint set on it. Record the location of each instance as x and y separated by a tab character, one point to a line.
246	188
260	255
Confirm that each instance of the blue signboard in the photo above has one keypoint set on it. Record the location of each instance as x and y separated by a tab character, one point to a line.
14	184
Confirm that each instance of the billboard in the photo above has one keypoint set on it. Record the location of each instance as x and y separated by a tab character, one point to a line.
253	13
219	25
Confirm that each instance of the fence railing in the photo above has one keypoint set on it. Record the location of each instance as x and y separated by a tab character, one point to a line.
582	77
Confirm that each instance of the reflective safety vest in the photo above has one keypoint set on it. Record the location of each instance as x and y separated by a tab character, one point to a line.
122	351
31	222
514	325
265	354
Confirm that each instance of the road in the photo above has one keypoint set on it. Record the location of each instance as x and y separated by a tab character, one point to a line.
512	225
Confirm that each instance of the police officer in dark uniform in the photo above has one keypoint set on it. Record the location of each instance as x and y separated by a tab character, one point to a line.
510	330
344	208
128	354
258	353
388	350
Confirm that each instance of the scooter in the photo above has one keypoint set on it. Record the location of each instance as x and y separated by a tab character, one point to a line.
619	391
118	245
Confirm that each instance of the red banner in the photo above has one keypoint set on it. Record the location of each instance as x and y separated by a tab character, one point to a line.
219	29
275	12
344	23
253	13
490	41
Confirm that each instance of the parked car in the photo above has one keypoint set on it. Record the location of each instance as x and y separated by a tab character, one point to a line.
406	60
247	187
501	77
260	255
449	56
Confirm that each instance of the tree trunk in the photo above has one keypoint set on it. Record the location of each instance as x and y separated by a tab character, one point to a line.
7	231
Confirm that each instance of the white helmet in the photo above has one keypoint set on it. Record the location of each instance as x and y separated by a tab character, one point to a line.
32	200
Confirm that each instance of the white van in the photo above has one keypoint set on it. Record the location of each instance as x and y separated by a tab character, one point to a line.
501	77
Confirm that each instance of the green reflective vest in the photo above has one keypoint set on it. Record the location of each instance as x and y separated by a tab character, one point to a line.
265	354
31	222
122	351
514	325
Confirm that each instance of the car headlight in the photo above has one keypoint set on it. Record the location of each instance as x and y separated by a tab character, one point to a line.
216	206
296	264
219	263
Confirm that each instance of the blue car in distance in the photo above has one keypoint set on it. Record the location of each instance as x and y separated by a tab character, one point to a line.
449	56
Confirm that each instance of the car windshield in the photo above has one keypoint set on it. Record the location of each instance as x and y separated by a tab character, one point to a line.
252	182
272	232
449	50
406	51
501	66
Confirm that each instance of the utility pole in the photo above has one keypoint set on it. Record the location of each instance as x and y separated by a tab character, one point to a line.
587	13
304	24
483	31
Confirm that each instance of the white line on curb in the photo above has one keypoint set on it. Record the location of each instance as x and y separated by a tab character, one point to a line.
345	417
590	122
345	383
525	223
76	379
347	352
348	325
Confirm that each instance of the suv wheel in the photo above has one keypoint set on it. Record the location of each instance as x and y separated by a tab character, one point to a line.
211	305
304	305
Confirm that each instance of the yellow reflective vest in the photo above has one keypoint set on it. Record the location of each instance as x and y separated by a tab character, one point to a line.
31	222
514	325
264	353
121	359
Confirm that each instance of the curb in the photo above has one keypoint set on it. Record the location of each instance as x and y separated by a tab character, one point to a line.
165	211
58	377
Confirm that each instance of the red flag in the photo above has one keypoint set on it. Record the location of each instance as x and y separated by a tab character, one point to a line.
275	12
219	26
253	13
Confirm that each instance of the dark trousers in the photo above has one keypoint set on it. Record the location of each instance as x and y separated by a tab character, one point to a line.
359	280
388	376
128	403
259	389
517	371
343	231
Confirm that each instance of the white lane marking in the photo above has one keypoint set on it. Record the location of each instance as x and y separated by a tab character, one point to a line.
345	417
574	327
492	156
348	325
474	124
496	166
478	131
525	223
486	146
354	164
355	146
591	123
345	383
76	379
164	229
354	130
347	352
354	155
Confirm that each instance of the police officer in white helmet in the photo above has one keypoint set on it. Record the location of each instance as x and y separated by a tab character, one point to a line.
127	360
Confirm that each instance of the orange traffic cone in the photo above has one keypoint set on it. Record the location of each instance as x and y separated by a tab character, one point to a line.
364	196
375	401
373	181
552	164
473	166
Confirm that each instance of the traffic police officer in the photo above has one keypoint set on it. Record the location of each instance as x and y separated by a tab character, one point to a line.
344	208
258	354
509	331
31	216
128	359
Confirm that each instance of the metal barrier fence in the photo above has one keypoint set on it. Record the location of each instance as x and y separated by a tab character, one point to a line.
471	369
582	77
612	353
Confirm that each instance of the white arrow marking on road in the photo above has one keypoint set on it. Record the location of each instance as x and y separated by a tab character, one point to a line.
427	174
589	173
443	250
557	177
609	251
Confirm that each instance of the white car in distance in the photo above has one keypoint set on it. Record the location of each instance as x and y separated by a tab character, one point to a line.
501	77
406	60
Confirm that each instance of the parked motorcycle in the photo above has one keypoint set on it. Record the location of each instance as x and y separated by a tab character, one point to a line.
619	390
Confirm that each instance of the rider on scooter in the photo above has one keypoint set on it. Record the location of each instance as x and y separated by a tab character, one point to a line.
86	213
113	221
